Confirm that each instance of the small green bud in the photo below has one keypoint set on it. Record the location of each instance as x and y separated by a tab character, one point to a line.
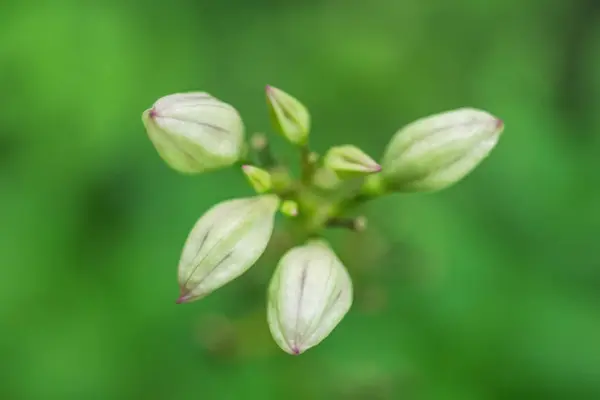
224	243
259	179
309	294
195	132
259	141
290	117
360	223
326	179
349	161
289	208
435	152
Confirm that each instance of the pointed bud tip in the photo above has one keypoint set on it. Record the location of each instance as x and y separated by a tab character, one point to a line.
499	124
183	298
246	167
295	351
376	168
369	169
152	113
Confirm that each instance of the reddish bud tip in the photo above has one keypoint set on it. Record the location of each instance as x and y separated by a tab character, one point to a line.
295	350
499	123
183	298
153	113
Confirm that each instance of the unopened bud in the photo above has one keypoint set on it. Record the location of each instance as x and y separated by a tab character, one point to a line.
259	141
309	294
289	208
290	117
349	161
259	179
360	223
195	132
434	152
326	179
224	243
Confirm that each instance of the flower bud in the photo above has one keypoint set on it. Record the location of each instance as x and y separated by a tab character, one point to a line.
349	161
434	152
224	243
195	132
290	117
326	179
309	294
259	179
289	208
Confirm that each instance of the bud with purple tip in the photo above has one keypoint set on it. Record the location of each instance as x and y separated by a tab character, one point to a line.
224	243
195	132
435	152
309	294
349	161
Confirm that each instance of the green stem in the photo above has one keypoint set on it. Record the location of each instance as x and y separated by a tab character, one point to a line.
357	224
306	165
262	149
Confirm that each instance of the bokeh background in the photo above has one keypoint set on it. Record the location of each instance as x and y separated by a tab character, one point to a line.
488	290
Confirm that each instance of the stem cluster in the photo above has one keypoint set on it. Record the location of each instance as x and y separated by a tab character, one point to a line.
318	207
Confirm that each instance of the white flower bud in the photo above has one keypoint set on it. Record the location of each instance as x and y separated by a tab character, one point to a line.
309	294
434	152
195	132
224	243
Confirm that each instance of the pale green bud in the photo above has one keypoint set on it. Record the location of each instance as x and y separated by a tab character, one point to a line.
324	178
259	179
195	132
434	152
290	117
289	208
349	161
224	243
309	294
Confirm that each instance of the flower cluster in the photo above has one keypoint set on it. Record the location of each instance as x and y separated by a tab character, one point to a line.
310	290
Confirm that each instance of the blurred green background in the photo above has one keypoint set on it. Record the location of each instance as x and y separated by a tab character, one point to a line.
488	290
